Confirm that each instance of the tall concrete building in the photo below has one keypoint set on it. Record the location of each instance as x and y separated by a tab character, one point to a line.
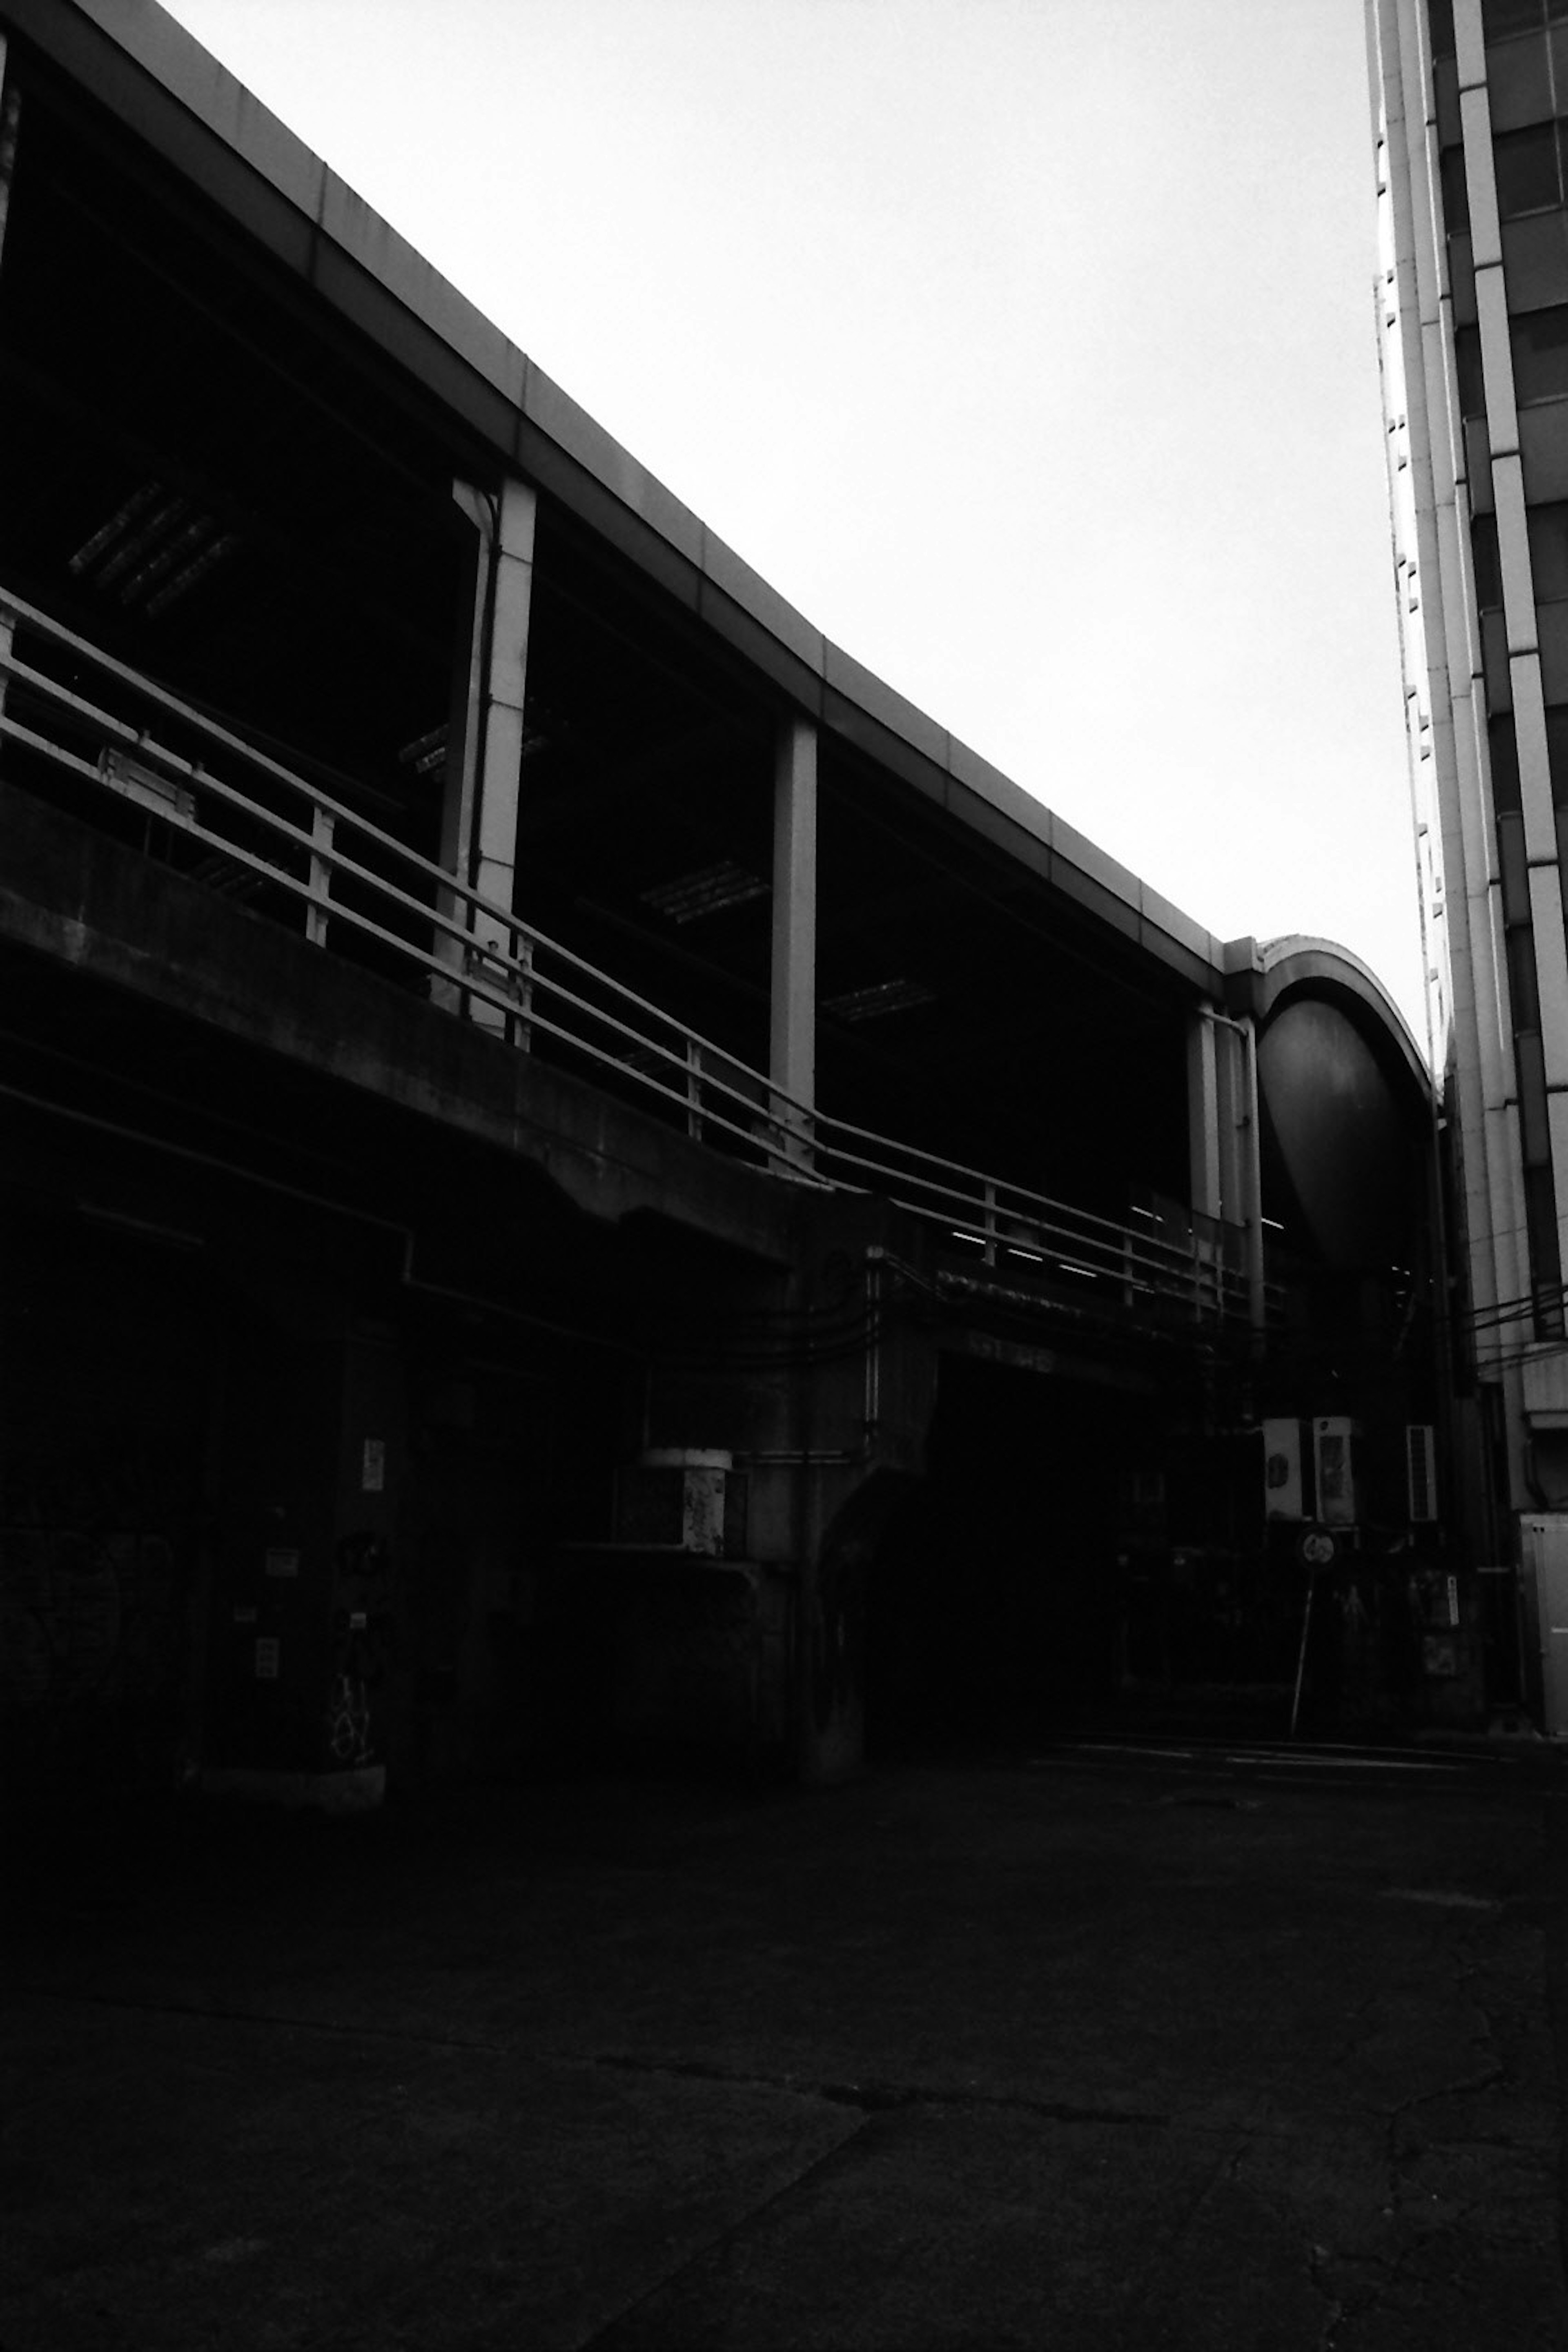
1472	105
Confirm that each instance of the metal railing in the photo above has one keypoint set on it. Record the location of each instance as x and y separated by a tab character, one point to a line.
82	726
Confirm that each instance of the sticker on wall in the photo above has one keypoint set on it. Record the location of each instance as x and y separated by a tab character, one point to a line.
282	1563
373	1475
267	1654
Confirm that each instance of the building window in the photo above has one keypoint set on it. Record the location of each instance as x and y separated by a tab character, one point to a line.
1529	171
1445	88
1514	867
1540	355
1488	569
1502	744
1455	195
1545	1257
1518	82
1524	994
1500	19
1547	551
1552	637
1467	359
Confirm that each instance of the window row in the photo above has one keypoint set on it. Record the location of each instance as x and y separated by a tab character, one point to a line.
1504	752
1552	641
1548	556
1500	19
1539	341
1527	80
1531	169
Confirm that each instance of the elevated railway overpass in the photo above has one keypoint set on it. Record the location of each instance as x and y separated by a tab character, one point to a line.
579	1168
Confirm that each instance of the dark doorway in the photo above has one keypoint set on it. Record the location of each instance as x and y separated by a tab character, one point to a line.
993	1598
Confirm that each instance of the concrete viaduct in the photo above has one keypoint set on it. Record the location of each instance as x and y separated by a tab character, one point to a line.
580	1173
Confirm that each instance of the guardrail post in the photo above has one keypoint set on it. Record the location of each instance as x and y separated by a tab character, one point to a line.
791	1136
988	1216
321	829
694	1091
522	956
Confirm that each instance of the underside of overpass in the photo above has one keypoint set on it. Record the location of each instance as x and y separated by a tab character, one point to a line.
202	475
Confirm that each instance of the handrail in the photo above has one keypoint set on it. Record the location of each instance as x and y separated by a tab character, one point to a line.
479	958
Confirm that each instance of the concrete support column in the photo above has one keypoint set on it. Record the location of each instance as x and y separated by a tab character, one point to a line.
791	1047
10	107
484	760
10	103
1249	1186
1203	1114
1223	1135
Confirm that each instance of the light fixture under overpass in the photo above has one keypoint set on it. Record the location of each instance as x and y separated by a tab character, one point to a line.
707	891
874	1004
153	549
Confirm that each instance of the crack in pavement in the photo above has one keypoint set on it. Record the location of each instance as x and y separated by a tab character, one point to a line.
63	1997
878	2098
721	2237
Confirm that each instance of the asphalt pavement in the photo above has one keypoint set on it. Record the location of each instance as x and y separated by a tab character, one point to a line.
1101	2046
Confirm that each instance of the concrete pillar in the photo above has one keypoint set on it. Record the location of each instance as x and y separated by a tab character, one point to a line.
1203	1114
1223	1135
10	106
792	1062
1249	1158
484	762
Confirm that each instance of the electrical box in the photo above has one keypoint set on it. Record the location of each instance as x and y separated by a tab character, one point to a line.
681	1498
1333	1467
1282	1495
1421	1472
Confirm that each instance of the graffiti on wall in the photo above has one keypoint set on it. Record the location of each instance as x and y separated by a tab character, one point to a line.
88	1615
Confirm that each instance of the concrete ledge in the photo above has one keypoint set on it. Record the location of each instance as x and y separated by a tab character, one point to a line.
854	683
90	904
734	577
566	423
975	775
377	247
338	1793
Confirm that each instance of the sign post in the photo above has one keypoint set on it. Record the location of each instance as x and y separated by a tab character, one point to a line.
1317	1548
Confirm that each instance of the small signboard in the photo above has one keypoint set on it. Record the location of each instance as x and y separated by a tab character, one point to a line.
373	1473
267	1651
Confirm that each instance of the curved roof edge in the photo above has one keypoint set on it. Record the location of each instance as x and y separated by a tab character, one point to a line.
173	93
1260	973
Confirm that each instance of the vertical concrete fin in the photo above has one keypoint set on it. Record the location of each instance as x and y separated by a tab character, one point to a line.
793	1034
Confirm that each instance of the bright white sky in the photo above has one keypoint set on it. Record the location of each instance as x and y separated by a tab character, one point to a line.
1027	346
